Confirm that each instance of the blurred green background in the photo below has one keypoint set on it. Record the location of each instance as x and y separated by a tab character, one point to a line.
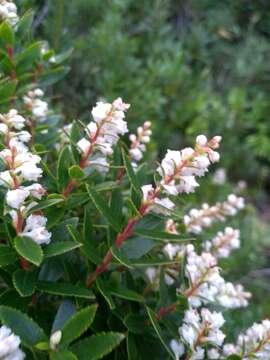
190	67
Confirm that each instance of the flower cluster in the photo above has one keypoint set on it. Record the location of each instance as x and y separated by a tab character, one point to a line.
9	345
179	168
34	104
199	330
253	344
196	219
137	147
204	277
8	12
103	133
223	243
21	166
232	296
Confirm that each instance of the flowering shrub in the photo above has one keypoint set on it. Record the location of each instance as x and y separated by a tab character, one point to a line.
95	256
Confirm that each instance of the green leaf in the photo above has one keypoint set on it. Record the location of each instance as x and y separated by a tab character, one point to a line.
104	209
6	35
74	233
126	294
132	348
135	323
51	76
155	324
136	247
131	175
29	250
106	186
65	289
28	58
60	231
24	24
117	254
23	326
75	172
63	355
45	204
105	293
162	236
6	63
7	89
77	324
59	58
43	346
25	282
154	262
7	255
97	346
64	312
63	164
234	357
60	247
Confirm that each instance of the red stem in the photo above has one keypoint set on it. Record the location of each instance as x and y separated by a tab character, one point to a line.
166	310
125	234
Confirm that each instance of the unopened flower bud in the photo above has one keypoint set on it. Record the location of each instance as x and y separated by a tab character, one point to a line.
201	140
55	339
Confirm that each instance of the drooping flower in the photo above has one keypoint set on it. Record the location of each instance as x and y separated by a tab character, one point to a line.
223	243
8	12
232	296
33	102
103	133
12	120
21	166
199	329
35	229
139	141
179	168
197	219
253	344
157	205
204	277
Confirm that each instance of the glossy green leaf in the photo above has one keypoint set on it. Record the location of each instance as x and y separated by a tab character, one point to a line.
7	89
63	164
6	35
51	76
24	24
59	58
28	58
162	236
64	312
105	293
22	325
7	255
65	289
120	257
154	262
126	294
63	355
44	204
75	172
25	282
97	346
59	247
77	324
104	209
155	324
29	250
